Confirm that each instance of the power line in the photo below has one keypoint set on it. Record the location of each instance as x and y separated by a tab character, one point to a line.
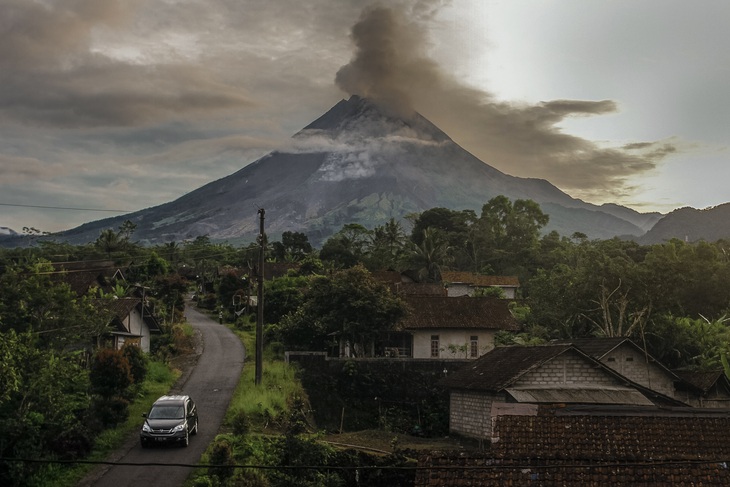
511	466
64	208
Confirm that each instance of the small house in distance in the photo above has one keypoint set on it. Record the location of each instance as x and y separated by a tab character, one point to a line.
522	378
132	322
442	327
466	283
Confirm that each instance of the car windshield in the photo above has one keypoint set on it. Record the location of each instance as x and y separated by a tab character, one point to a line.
166	412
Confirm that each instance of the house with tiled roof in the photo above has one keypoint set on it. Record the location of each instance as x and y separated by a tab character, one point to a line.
460	283
441	327
403	285
132	322
595	446
85	276
631	361
709	389
525	377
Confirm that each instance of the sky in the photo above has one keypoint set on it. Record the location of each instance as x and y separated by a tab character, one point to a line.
112	106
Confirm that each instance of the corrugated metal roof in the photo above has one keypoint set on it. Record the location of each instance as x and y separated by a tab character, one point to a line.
582	395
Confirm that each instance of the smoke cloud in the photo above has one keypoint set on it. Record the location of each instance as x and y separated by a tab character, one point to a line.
392	68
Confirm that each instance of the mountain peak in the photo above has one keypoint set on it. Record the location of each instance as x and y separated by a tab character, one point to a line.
364	117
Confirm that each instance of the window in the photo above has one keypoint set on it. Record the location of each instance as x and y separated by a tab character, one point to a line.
435	345
629	359
474	346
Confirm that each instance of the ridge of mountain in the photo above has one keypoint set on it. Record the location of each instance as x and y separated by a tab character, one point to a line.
357	164
691	225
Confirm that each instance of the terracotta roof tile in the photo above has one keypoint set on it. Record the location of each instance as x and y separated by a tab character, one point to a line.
590	450
432	312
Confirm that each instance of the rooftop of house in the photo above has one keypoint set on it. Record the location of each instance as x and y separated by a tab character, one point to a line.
502	366
82	276
703	380
123	307
438	312
687	448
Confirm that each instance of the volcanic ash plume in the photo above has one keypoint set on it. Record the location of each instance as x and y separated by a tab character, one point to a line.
388	49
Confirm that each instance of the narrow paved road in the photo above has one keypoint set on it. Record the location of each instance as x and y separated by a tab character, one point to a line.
211	384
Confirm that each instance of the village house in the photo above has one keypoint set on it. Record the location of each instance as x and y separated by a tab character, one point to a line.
696	389
460	283
132	322
706	389
628	359
522	378
438	327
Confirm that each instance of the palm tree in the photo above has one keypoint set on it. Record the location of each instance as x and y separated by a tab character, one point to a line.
430	255
108	242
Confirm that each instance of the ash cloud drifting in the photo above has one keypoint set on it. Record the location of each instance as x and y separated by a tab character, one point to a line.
53	76
391	67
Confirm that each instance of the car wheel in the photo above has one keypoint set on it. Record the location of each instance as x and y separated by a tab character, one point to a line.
186	440
194	431
144	444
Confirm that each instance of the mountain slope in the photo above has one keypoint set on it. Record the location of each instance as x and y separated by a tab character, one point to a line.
355	164
691	225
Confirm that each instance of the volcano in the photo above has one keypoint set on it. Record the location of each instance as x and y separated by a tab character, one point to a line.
357	164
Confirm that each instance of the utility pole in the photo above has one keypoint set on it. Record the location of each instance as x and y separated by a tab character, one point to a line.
260	302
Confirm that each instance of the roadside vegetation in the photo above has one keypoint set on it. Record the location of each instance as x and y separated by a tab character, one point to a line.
65	396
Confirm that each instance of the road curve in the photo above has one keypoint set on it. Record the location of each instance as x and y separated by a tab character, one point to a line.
211	384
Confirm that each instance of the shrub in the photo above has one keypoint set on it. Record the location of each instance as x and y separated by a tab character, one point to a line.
221	453
110	373
240	423
137	362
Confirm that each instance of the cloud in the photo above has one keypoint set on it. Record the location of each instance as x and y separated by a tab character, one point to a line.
391	66
52	73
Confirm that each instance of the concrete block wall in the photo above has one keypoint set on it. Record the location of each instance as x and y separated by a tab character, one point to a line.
567	369
469	413
632	364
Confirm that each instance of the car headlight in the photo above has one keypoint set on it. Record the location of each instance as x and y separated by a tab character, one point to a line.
146	428
179	427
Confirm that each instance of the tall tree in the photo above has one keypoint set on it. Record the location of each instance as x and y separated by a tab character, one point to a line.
350	304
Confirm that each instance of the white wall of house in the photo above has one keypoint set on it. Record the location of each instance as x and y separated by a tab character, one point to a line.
134	325
459	340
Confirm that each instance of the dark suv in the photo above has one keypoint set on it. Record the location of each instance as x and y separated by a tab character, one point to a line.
172	419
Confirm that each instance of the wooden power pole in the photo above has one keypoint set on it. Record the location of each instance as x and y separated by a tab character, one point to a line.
260	302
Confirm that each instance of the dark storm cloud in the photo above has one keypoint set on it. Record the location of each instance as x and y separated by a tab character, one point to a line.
392	67
51	75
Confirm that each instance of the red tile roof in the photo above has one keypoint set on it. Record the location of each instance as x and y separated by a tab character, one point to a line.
434	312
579	450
